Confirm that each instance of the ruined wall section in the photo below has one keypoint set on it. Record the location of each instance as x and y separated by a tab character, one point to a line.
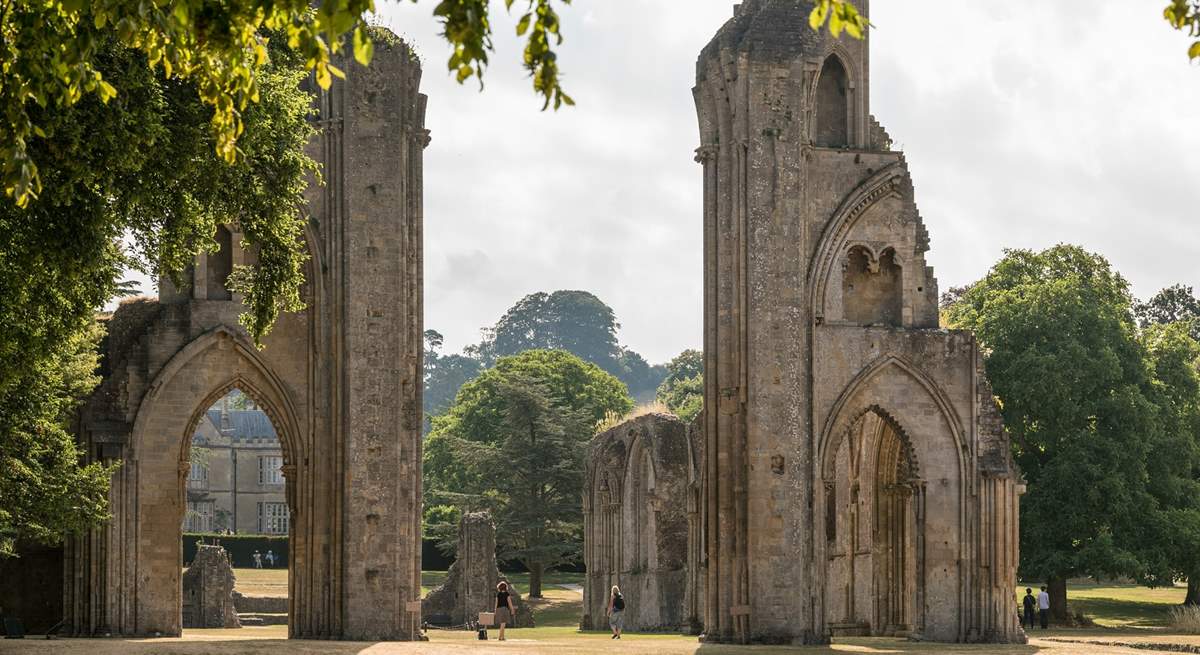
636	523
470	586
208	590
784	333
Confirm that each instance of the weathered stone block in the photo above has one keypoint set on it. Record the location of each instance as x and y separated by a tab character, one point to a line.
208	590
470	586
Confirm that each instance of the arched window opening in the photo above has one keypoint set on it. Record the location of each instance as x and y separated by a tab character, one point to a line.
219	266
833	105
236	486
872	288
647	546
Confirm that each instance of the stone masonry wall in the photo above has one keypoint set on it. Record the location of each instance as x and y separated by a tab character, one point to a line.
637	523
470	586
208	590
819	311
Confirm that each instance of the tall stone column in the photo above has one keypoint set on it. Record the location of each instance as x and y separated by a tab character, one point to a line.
377	332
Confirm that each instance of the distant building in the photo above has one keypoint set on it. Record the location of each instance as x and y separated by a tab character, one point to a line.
236	479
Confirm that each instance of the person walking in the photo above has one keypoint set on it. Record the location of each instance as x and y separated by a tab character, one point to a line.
270	559
504	607
257	559
1043	600
1030	604
616	612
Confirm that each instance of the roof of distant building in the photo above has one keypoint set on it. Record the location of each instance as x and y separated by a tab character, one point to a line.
244	424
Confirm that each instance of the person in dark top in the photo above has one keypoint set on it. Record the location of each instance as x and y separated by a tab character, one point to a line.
616	611
1030	604
504	607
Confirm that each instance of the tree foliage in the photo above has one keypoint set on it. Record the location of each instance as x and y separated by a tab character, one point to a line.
1172	536
531	471
683	389
45	493
1184	15
444	376
1174	304
479	450
575	321
51	52
1075	391
143	165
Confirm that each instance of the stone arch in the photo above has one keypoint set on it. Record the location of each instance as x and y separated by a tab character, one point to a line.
189	384
834	104
930	387
875	527
887	182
928	485
639	515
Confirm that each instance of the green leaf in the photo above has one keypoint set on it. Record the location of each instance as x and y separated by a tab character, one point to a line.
364	49
107	91
817	17
523	24
1194	51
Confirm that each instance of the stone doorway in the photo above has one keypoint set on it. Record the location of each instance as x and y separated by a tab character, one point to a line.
236	496
874	530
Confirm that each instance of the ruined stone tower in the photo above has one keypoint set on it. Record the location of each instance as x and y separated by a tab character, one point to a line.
857	477
340	381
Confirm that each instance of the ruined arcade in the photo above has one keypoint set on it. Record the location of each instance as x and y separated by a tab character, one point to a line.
857	479
340	381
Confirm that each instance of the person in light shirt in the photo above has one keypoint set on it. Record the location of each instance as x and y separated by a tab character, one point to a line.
1044	608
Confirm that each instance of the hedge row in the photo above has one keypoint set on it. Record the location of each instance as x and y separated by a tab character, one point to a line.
240	547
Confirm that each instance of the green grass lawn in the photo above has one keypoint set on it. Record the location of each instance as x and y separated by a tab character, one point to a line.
1121	605
560	608
1109	605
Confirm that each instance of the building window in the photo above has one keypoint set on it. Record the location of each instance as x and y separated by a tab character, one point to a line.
198	476
199	517
273	518
270	470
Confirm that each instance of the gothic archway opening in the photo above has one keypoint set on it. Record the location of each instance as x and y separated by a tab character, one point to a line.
874	530
872	288
236	496
640	518
833	105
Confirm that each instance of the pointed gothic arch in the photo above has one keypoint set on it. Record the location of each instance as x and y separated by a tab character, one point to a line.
834	104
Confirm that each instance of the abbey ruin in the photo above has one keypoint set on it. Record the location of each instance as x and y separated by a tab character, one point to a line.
850	474
641	521
340	381
858	478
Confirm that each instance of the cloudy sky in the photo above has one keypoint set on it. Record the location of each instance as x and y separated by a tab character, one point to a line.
1025	123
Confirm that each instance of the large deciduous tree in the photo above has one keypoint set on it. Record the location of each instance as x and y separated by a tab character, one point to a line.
44	493
1173	535
1063	357
479	454
576	321
142	166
